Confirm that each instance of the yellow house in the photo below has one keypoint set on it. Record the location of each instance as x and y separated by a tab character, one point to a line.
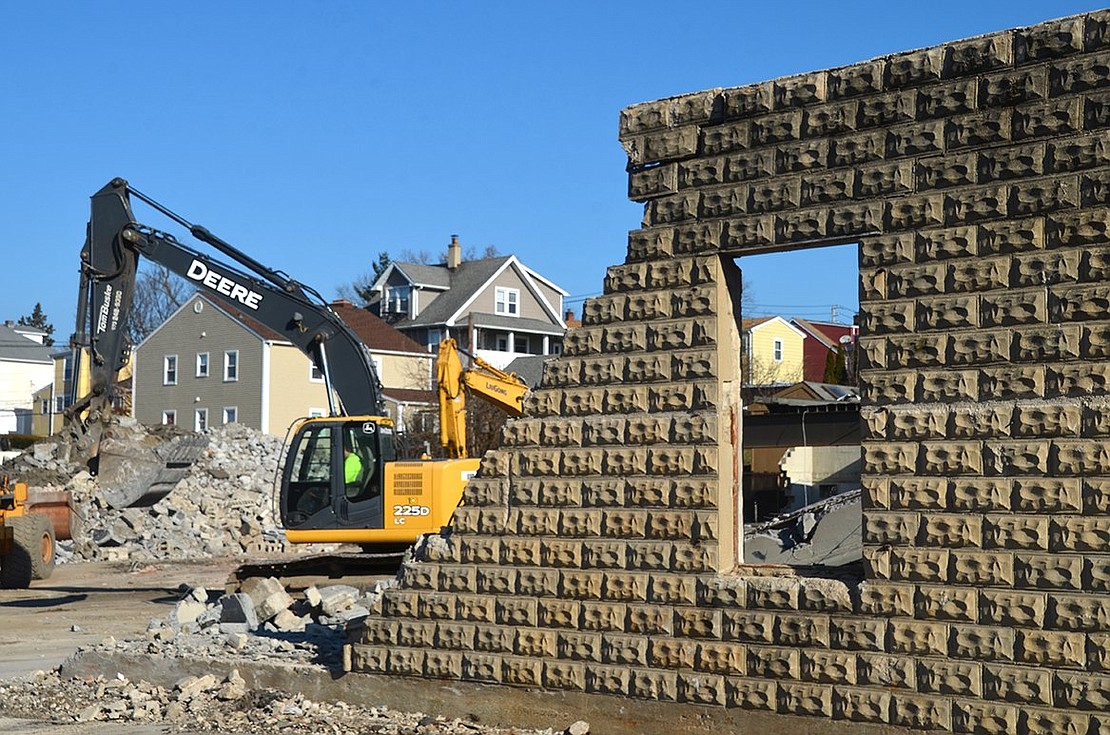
773	352
51	400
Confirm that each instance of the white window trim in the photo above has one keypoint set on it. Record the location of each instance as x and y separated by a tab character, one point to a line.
312	371
207	364
200	412
235	410
227	354
506	301
166	369
167	415
314	413
778	349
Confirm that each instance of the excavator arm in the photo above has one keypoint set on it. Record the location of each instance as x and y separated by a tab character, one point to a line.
502	389
114	245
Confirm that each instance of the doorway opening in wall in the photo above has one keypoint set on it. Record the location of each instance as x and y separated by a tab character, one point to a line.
801	454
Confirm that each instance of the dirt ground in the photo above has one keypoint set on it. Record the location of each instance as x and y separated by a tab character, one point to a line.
84	603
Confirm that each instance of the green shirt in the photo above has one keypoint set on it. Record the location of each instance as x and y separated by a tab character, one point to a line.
352	466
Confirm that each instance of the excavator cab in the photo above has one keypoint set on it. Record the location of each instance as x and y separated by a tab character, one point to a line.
342	483
332	476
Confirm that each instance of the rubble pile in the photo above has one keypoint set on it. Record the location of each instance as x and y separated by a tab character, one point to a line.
224	506
825	534
261	621
222	704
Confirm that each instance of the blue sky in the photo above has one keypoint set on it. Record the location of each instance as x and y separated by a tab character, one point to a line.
314	135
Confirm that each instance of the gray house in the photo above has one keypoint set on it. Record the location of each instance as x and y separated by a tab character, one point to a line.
497	306
209	365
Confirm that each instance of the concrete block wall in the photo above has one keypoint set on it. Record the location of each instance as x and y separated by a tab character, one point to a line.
597	550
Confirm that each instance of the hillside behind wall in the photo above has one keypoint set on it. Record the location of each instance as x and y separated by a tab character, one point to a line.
596	551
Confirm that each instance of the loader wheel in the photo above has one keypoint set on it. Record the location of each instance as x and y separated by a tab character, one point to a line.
32	552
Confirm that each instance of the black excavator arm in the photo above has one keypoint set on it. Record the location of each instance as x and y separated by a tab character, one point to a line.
114	245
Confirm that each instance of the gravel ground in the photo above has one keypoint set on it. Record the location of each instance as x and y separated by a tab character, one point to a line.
205	704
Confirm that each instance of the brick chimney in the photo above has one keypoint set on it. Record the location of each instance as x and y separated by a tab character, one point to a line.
454	253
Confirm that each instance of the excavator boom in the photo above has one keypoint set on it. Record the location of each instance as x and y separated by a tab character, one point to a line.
502	389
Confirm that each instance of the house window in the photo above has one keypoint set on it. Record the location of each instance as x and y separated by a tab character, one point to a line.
522	344
169	418
200	419
44	406
231	365
502	343
507	301
67	369
231	414
169	370
397	299
778	350
202	363
435	336
314	374
61	403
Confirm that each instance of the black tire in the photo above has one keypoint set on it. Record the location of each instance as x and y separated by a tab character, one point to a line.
32	553
42	563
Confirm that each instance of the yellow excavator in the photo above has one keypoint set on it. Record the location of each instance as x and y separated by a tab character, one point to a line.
344	479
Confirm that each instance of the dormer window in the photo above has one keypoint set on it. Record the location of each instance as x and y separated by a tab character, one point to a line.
397	299
507	301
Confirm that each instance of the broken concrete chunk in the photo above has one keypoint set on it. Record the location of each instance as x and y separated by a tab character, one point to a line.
268	595
336	598
238	608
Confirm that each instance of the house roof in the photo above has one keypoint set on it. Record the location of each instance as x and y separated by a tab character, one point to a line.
756	323
812	391
462	283
515	324
528	368
377	334
15	347
817	331
409	395
423	274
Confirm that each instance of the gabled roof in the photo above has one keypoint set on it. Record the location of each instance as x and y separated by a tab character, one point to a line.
17	348
409	395
255	327
752	324
423	274
464	283
377	334
809	390
817	331
529	368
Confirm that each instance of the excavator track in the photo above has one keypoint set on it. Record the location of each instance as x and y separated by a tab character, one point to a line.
360	570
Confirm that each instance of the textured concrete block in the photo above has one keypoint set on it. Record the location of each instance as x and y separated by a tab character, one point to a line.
729	659
1024	685
918	638
757	694
982	643
608	680
774	663
831	667
947	603
887	672
957	678
921	711
1051	648
857	634
985	718
654	685
1003	607
579	646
